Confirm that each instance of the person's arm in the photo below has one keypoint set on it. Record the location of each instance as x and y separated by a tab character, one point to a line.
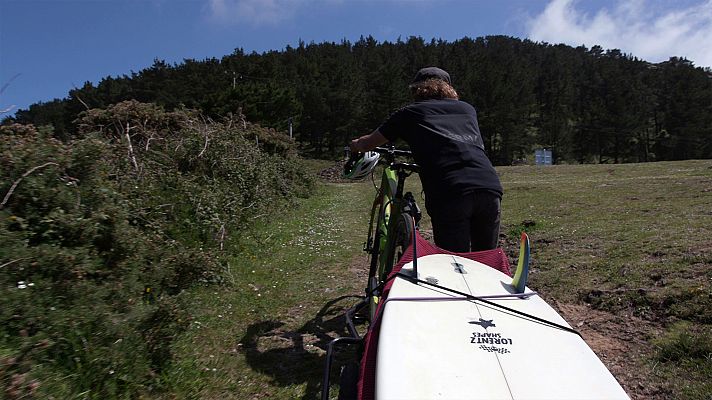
368	142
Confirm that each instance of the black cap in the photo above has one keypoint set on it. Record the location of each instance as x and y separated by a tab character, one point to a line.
431	73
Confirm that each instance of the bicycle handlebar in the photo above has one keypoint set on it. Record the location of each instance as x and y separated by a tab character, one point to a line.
392	151
389	157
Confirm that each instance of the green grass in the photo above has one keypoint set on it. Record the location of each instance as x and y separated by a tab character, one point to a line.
609	227
687	348
262	335
628	239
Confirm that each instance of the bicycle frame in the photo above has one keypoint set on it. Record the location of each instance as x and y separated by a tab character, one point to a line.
386	203
388	206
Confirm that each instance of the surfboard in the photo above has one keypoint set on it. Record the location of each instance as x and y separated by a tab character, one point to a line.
437	344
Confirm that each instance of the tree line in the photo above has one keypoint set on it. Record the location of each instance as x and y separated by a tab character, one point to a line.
588	105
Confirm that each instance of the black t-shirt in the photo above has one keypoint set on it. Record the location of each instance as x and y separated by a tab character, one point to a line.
445	139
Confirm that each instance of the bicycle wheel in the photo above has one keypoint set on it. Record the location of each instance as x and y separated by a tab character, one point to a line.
403	234
401	238
376	249
348	381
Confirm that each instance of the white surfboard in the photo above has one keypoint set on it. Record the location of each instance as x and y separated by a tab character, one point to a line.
434	345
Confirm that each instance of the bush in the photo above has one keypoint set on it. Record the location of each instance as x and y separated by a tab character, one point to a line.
99	237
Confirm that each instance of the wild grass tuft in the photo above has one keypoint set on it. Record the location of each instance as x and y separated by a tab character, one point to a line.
683	342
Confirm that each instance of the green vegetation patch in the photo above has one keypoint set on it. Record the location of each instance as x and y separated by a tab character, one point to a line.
100	237
638	231
686	350
685	343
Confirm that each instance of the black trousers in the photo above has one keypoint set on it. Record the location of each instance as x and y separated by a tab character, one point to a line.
466	223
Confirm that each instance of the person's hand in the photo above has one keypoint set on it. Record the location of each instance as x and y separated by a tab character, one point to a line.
355	146
367	142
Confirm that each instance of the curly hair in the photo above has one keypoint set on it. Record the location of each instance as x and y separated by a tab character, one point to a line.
433	89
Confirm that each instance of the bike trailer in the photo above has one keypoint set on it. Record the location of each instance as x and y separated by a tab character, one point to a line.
456	326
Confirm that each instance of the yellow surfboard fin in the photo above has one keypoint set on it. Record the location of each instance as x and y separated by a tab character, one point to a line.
520	276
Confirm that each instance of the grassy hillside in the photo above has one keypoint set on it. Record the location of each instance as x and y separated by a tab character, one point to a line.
623	251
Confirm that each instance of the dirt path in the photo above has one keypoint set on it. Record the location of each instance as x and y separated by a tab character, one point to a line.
622	344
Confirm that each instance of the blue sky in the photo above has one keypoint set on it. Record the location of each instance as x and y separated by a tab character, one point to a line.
48	47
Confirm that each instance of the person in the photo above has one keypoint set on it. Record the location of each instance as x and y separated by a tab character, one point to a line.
462	190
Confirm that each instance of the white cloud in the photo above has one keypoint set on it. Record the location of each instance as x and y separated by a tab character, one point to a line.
252	12
640	27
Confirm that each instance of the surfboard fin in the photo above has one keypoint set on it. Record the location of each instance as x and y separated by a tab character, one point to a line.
520	276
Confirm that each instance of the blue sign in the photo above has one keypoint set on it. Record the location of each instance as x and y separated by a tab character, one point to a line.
543	157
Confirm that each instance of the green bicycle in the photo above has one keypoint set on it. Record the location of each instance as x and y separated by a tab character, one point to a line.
393	221
394	215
